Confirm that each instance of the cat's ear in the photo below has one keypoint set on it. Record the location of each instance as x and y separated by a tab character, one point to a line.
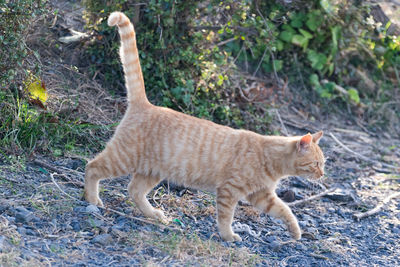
317	136
304	143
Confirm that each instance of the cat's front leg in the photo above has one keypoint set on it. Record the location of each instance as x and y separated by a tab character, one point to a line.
270	203
227	199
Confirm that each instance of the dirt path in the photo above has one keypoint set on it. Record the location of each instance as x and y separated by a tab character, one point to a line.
43	222
42	225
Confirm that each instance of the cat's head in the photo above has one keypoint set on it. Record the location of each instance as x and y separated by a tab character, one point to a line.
309	161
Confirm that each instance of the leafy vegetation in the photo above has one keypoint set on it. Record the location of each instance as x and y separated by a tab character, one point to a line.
26	124
188	49
200	57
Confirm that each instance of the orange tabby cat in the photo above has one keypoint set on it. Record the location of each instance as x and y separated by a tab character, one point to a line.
155	143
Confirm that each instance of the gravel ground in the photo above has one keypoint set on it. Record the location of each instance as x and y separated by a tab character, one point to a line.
42	225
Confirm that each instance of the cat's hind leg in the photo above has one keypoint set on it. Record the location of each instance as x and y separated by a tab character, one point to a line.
138	188
270	203
109	163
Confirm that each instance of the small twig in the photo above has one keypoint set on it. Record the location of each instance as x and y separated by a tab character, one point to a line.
285	131
361	156
259	62
226	41
361	215
62	191
319	256
297	202
46	165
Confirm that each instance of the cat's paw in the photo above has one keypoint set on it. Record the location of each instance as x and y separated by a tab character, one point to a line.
295	232
159	215
231	237
95	200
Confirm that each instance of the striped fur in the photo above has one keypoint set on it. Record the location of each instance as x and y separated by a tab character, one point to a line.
155	143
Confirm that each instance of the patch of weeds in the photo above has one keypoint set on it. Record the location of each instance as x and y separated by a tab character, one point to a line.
192	249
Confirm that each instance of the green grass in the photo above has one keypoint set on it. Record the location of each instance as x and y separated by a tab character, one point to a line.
27	128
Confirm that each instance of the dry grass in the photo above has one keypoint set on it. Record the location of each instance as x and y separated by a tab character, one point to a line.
190	249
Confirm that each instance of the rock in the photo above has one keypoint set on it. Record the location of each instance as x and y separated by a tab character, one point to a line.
118	233
103	239
24	216
396	230
94	222
341	195
289	196
275	246
92	209
76	226
80	209
331	210
300	246
30	232
271	238
21	230
3	243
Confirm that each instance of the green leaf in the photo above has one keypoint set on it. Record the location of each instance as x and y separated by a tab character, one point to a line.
220	80
314	20
317	60
279	45
300	40
297	20
286	36
278	64
287	27
328	6
335	37
353	94
314	80
306	34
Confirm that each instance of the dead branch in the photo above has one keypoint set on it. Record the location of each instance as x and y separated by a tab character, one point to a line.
361	156
59	171
297	202
285	131
361	215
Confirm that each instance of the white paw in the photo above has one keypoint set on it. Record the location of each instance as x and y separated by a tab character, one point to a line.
231	237
295	232
159	215
95	200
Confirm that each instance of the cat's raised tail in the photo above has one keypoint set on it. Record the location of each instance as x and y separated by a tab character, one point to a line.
129	57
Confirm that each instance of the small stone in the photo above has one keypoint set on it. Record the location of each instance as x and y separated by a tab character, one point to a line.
341	195
76	226
21	230
24	216
3	243
92	209
103	239
396	230
118	233
271	238
300	246
94	222
30	232
275	246
331	210
289	196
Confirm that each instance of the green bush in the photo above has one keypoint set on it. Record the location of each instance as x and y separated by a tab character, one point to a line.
182	68
187	46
